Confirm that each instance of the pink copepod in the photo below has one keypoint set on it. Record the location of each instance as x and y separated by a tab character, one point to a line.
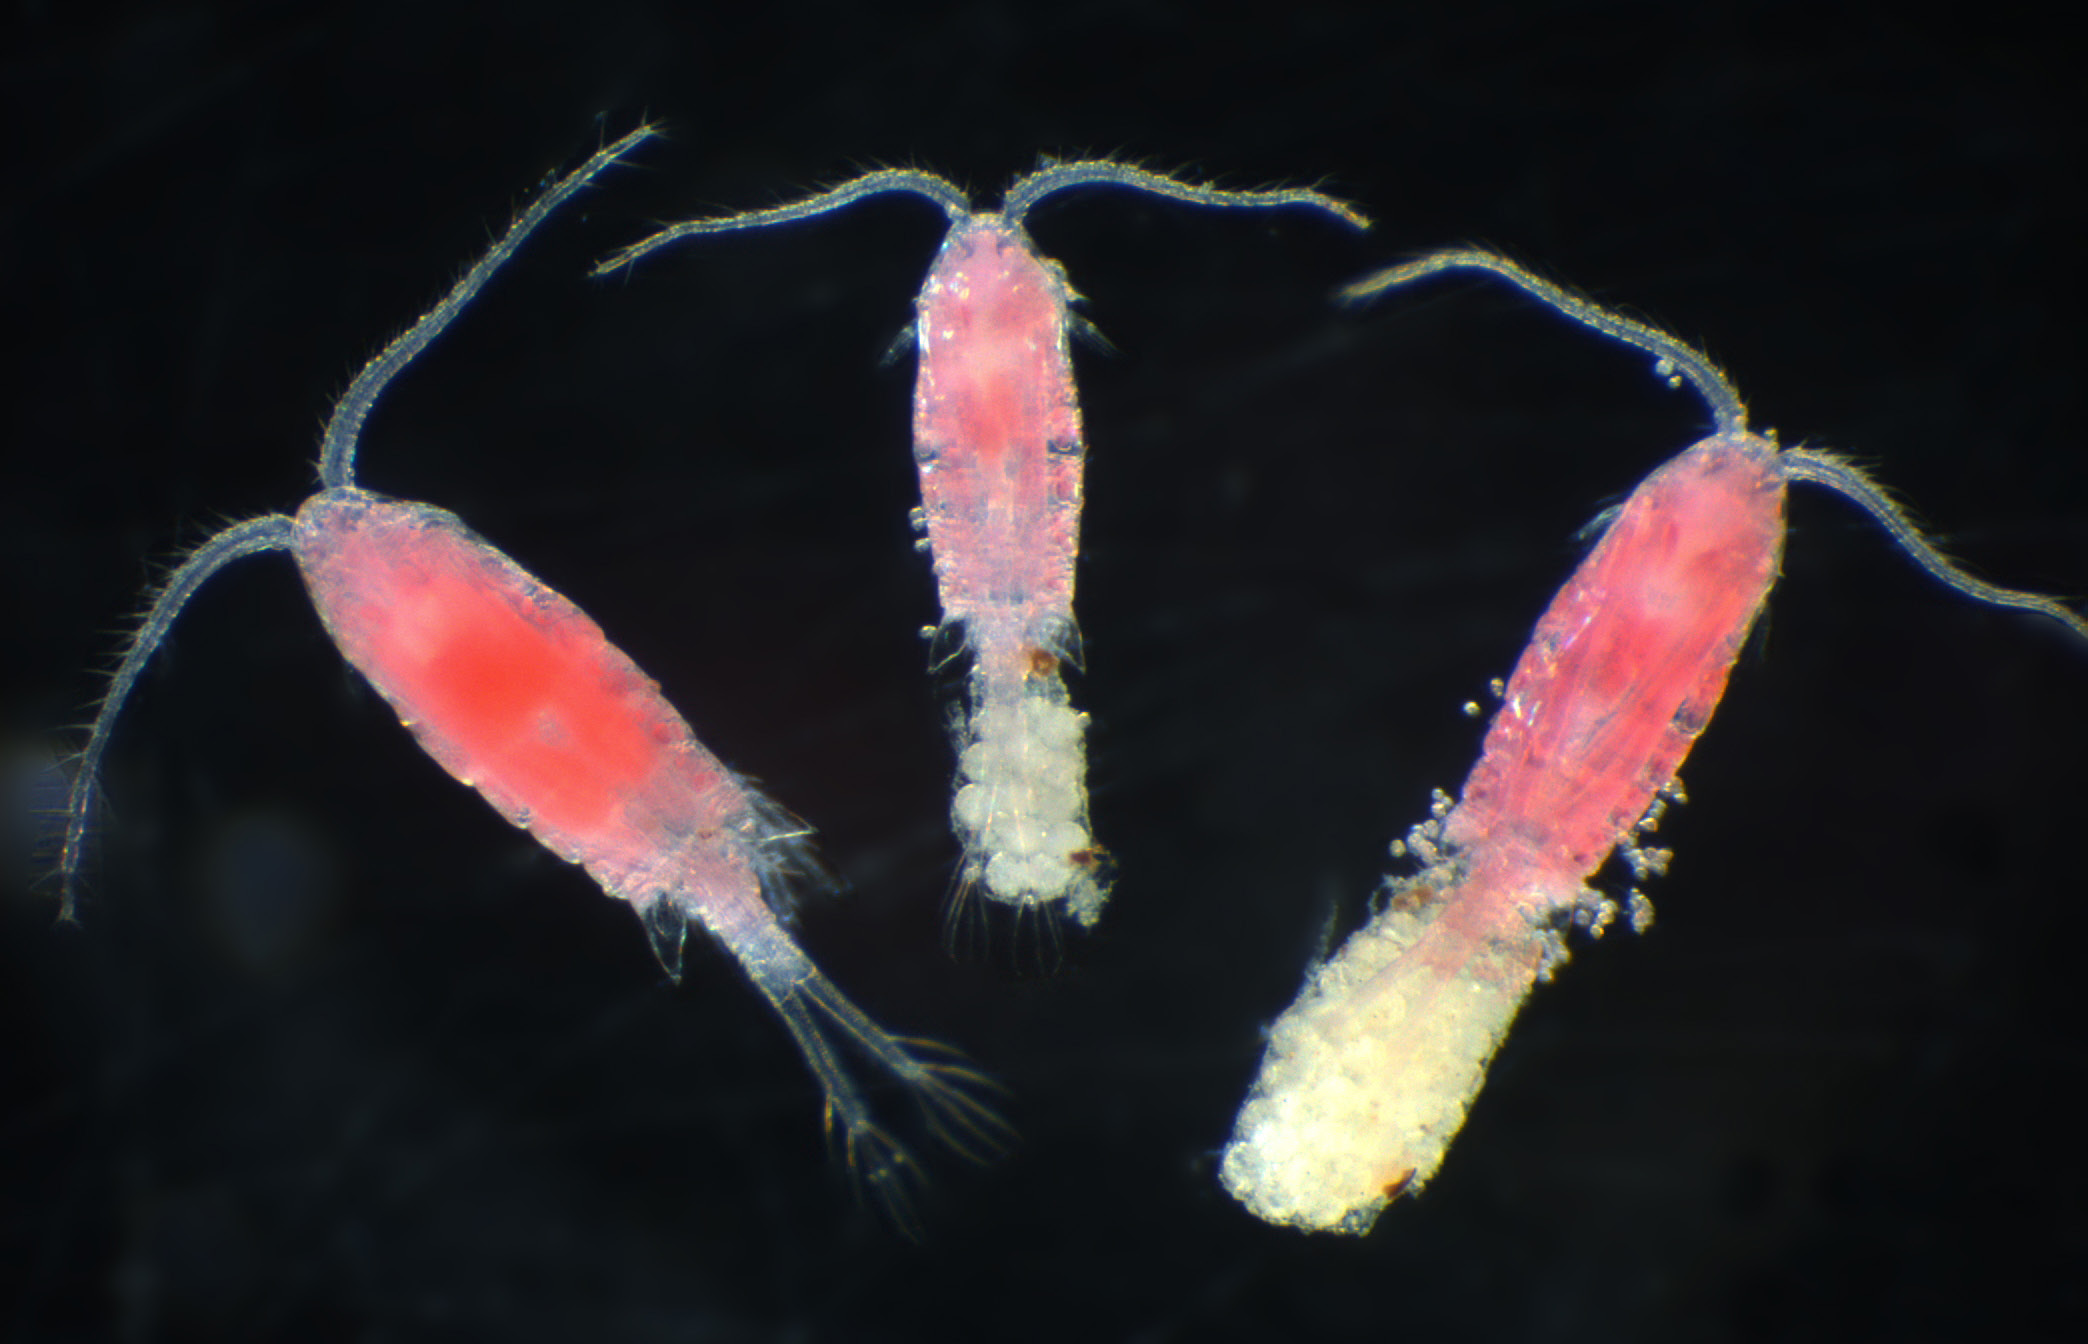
516	692
997	441
1368	1075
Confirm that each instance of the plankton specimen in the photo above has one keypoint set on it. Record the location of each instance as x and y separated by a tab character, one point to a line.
1367	1077
516	692
997	441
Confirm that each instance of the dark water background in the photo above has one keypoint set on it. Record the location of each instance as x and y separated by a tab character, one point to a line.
339	1055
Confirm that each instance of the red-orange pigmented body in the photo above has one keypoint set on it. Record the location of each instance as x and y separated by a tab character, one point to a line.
997	437
1368	1075
512	689
1627	665
997	443
997	440
516	692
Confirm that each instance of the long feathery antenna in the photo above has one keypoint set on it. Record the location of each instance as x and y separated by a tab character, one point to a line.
1027	191
943	192
1845	478
273	532
270	532
1676	359
337	449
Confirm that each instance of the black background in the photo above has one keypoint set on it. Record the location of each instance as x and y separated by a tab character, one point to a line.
339	1055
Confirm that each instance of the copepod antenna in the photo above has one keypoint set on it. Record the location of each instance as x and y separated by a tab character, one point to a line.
942	191
1678	360
337	449
270	532
1026	191
1848	480
1674	358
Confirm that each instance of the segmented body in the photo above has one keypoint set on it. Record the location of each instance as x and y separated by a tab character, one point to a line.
516	692
1368	1076
1628	664
998	443
513	690
997	434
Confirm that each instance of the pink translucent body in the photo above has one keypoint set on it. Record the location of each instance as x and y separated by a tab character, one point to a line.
1368	1075
997	434
1628	664
516	692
